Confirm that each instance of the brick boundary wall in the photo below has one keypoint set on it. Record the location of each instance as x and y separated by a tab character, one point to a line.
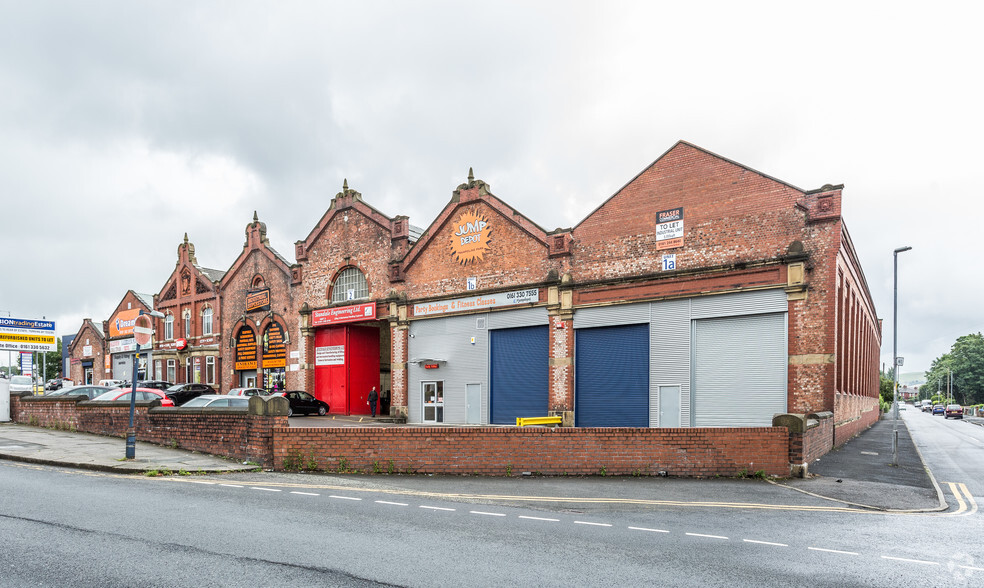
853	416
500	451
229	432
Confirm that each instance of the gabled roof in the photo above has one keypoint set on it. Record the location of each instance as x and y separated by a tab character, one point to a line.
344	200
256	240
212	274
146	299
468	193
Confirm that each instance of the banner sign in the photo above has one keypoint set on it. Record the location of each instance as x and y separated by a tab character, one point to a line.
274	348
246	349
330	355
470	237
27	335
122	323
478	302
669	231
258	300
343	314
122	345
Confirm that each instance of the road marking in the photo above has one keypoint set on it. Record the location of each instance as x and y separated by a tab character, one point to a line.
972	568
230	485
393	503
832	551
266	489
304	493
539	519
437	508
201	482
650	530
764	543
592	524
918	561
344	497
488	514
707	536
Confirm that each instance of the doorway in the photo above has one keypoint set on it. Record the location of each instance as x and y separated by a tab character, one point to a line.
433	401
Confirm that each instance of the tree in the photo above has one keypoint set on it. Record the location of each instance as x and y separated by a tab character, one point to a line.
962	369
885	389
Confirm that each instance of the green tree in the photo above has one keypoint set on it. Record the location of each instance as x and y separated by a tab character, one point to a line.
968	368
885	389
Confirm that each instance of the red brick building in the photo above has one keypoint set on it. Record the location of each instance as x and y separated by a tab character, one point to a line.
87	354
187	340
120	343
260	318
701	294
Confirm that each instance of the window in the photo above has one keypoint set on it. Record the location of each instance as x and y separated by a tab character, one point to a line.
171	370
158	372
433	393
169	328
210	369
207	321
350	285
187	323
188	371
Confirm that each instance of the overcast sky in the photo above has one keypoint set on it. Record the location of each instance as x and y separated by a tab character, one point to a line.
125	125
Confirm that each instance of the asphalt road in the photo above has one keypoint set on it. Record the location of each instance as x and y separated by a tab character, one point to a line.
70	528
953	449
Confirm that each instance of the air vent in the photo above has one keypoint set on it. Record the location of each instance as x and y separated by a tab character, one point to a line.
480	322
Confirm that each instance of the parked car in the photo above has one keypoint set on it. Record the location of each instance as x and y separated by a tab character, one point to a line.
54	384
143	395
21	384
217	401
302	402
247	392
181	393
155	384
953	410
112	383
938	409
927	406
89	391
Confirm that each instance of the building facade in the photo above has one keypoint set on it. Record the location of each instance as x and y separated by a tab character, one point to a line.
120	343
187	340
88	361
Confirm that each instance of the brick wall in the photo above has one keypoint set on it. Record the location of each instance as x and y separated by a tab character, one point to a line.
853	414
499	451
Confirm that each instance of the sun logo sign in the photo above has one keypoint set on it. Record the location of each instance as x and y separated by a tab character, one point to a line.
470	237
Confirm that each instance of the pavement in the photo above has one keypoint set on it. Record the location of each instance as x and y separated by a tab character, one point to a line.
858	473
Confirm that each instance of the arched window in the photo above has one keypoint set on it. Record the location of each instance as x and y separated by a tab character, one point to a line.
169	328
350	285
187	323
207	321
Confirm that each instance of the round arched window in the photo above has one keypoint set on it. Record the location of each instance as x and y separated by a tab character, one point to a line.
350	285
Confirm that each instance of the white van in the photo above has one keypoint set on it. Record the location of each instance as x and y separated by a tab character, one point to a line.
111	383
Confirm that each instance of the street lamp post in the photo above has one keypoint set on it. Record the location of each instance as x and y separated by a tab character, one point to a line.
895	354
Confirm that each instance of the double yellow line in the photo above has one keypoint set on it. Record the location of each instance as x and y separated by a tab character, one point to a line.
966	505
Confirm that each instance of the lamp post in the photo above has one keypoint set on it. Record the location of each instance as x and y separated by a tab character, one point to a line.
895	355
141	335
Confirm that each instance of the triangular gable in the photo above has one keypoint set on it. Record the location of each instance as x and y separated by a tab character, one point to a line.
78	340
468	194
256	240
188	278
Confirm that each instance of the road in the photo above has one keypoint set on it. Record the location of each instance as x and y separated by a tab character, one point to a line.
953	449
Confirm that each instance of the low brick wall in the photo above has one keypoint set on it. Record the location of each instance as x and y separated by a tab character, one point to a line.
852	416
236	433
500	451
819	439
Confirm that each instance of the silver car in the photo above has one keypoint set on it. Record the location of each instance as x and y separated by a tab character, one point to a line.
21	384
217	401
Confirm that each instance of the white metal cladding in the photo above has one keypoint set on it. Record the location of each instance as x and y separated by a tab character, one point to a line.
449	339
739	303
739	370
522	317
610	316
669	355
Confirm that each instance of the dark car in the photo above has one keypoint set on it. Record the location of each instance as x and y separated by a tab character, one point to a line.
88	391
182	393
143	395
953	410
303	403
155	384
938	409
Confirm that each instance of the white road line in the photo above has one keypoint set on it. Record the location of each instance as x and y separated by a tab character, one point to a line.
832	551
972	568
592	524
265	489
488	514
436	508
918	561
201	482
764	542
707	536
304	493
230	485
650	530
343	497
539	519
393	503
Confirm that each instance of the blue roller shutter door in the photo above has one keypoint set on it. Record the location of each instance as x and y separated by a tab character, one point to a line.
519	374
611	376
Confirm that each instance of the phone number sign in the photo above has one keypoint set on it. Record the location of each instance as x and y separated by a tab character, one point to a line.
27	335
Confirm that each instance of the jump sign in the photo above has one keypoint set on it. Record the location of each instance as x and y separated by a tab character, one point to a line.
143	329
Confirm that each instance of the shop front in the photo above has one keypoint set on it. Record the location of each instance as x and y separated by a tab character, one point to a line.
350	345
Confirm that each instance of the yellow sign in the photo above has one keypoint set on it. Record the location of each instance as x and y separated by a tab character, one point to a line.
42	339
470	237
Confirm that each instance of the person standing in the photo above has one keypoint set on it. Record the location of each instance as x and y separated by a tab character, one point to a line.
373	398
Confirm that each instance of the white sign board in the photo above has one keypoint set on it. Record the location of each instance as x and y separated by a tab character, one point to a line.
329	355
477	302
27	335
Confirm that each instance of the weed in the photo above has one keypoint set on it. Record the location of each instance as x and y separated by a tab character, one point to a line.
292	462
200	472
603	471
33	421
343	465
760	474
391	467
508	469
743	473
172	443
166	472
152	473
312	462
376	468
183	473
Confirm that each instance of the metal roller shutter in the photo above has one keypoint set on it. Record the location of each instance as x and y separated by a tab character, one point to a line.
611	376
739	366
519	374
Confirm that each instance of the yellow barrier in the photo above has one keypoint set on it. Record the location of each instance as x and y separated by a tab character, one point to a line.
548	420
